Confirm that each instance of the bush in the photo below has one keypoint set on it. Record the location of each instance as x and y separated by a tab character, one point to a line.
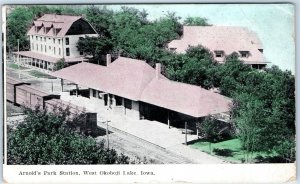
45	138
215	130
223	152
60	65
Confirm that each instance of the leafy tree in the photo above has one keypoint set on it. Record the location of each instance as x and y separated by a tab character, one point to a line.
192	67
100	17
18	22
46	138
196	21
250	122
215	130
60	64
95	47
229	74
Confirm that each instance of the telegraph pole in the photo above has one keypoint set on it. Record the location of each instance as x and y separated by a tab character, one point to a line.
107	138
185	133
169	119
19	59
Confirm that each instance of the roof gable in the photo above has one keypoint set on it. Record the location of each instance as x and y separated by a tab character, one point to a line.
59	24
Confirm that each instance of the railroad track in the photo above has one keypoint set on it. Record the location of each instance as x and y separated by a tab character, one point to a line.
132	145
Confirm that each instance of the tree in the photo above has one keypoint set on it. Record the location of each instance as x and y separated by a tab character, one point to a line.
100	19
250	122
196	21
215	130
192	67
60	64
18	23
45	138
95	47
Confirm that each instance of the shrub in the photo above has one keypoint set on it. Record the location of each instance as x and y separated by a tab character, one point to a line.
223	152
46	138
215	130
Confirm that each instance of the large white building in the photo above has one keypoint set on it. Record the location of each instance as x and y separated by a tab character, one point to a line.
53	37
223	41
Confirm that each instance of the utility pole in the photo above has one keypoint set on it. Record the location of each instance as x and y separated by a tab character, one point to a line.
62	84
169	119
107	138
19	58
185	133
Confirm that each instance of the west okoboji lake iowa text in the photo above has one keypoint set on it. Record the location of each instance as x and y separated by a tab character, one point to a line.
92	173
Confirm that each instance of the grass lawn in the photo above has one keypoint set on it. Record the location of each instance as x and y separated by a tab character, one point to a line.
234	145
15	66
38	74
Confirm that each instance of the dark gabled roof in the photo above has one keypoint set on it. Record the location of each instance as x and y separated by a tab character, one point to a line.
61	23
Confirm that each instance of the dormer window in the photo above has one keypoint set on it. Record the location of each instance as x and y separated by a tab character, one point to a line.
219	53
244	54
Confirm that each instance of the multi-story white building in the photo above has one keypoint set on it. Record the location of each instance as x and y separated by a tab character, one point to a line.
53	37
222	41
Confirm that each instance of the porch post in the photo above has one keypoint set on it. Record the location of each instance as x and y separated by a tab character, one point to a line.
77	90
62	85
185	133
197	122
169	119
107	138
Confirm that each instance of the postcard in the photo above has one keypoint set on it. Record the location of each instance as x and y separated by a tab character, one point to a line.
141	93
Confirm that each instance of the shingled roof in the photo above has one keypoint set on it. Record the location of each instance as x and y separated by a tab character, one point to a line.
61	23
136	80
221	38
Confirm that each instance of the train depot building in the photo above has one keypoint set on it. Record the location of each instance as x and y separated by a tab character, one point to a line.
133	89
52	38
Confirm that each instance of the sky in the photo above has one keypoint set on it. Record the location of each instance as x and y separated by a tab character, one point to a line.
273	23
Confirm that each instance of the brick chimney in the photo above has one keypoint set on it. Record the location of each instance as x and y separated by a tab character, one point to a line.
157	70
108	59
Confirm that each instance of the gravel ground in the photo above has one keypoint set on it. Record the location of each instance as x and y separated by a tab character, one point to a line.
139	149
11	109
